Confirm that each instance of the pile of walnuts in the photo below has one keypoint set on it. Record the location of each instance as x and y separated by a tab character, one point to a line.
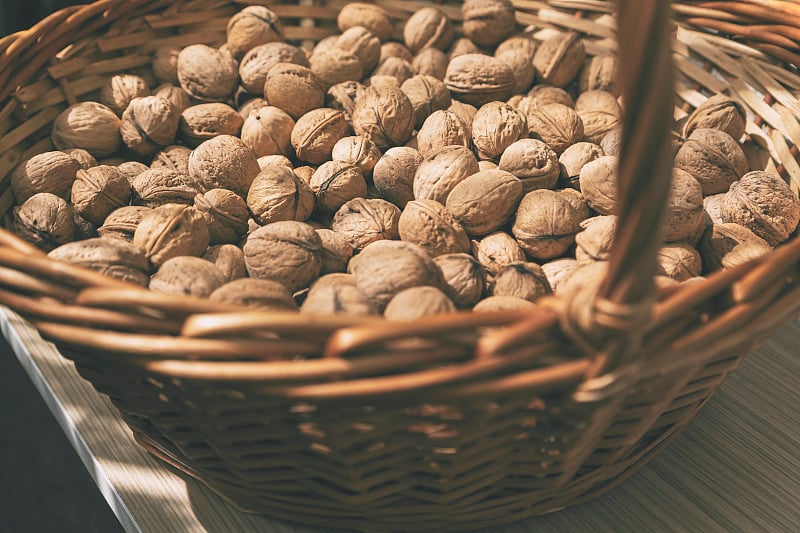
408	177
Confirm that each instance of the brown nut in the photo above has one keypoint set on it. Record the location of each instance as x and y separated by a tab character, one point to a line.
384	115
225	213
165	64
521	280
573	159
556	125
357	150
335	65
596	238
418	302
517	53
277	194
478	79
363	44
719	112
495	127
430	225
148	124
558	270
427	27
598	182
229	259
335	183
439	173
199	123
559	59
714	158
258	61
191	276
427	94
177	96
316	132
288	252
223	162
88	125
679	261
730	245
600	74
533	162
684	208
171	230
392	72
294	88
546	224
159	186
442	128
487	22
268	131
502	303
255	293
250	27
342	96
45	220
99	191
430	62
336	251
120	89
207	74
121	224
363	221
337	293
394	172
175	158
115	258
370	16
496	250
485	200
464	278
50	172
600	113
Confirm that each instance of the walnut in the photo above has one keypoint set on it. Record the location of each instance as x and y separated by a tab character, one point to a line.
730	245
546	224
362	221
171	230
342	96
250	27
600	113
335	182
268	131
517	53
84	158
324	45
258	61
395	49
573	159
719	112
337	294
439	173
372	17
577	201
598	183
714	158
465	112
533	162
464	278
496	126
502	303
274	161
478	79
497	250
131	169
431	226
276	194
418	302
149	123
384	268
559	59
165	64
521	280
118	91
159	186
547	94
392	72
384	115
99	191
115	258
294	88
252	104
177	96
487	22
394	173
763	203
191	276
427	94
712	205
485	200
430	62
679	261
121	223
288	252
595	240
316	132
45	220
590	274
336	251
207	74
557	125
229	259
363	44
175	158
685	207
50	172
335	66
442	128
558	270
462	46
199	123
611	142
88	125
225	213
223	162
256	293
357	150
600	74
427	27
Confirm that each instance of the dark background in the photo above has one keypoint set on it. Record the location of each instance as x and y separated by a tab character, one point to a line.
17	15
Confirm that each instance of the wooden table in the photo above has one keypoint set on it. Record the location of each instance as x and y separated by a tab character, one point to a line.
736	468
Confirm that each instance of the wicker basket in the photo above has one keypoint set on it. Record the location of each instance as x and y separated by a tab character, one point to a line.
452	422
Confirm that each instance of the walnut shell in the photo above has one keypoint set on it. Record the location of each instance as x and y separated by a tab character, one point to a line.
131	169
533	162
363	44
223	162
600	74
427	94
268	131
495	127
45	220
559	59
730	245
335	183
149	123
207	74
114	258
363	221
83	157
395	49
442	128
342	96
274	161
556	125
598	182
357	150
294	88
558	270
712	205
336	251
600	113
199	123
612	142
276	194
418	302
335	65
478	79
316	132
250	27
487	22
427	27
165	64
684	208
177	96
679	261
256	293
573	159
430	225
464	278
462	46
394	173
372	17
719	112
175	158
50	172
430	62
258	61
590	274
521	280
496	250
714	158
520	59
288	252
547	94
120	89
225	213
439	173
546	224
390	72
171	230
337	294
485	200
159	186
229	259
502	303
122	223
88	125
99	191
595	240
385	115
191	276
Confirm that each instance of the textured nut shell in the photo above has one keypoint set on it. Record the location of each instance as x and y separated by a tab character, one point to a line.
521	63
202	122
111	257
462	46
267	131
427	27
207	74
557	125
730	245
585	275
169	231
719	112
558	270
679	261
225	213
485	200
276	194
598	181
316	132
502	303
391	72
83	157
574	158
478	79
465	112
394	173
223	162
357	150
559	59
159	186
684	208
385	115
430	62
175	95
337	294
131	169
714	158
418	302
50	172
611	142
577	201
257	62
395	49
363	221
121	223
335	65
165	64
257	293
342	96
487	22
88	125
496	250
427	94
335	183
370	16
120	89
294	88
363	44
174	158
431	226
600	113
547	94
250	27
546	224
533	162
45	220
464	278
187	275
495	127
229	259
439	173
521	280
600	73
442	128
288	252
336	251
99	191
712	205
763	203
274	161
596	238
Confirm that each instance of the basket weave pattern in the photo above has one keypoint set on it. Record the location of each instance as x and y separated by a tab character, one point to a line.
450	423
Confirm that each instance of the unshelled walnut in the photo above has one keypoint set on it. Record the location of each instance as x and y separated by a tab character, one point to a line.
585	275
573	159
502	303
316	132
99	191
556	125
177	96
464	278
546	224
427	94
558	270
596	238
250	27
256	293
363	44
335	183
131	169
294	88
258	61
357	150
225	213
684	208
612	142
533	162
148	124
83	157
394	173
714	158
598	183
165	64
187	275
115	258
335	65
462	46
88	125
521	280
712	205
517	53
336	251
679	261
495	127
45	220
391	72
600	74
487	22
274	161
442	128
719	112
730	245
395	49
440	172
478	79
173	157
159	186
430	62
171	230
51	172
485	200
277	194
466	112
385	115
207	74
202	122
337	294
418	302
288	252
600	113
229	259
427	27
342	96
223	162
430	225
363	221
547	94
251	105
496	250
268	131
372	17
120	89
559	59
763	203
577	201
122	223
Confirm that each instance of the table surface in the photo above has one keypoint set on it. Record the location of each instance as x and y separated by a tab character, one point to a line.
736	467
